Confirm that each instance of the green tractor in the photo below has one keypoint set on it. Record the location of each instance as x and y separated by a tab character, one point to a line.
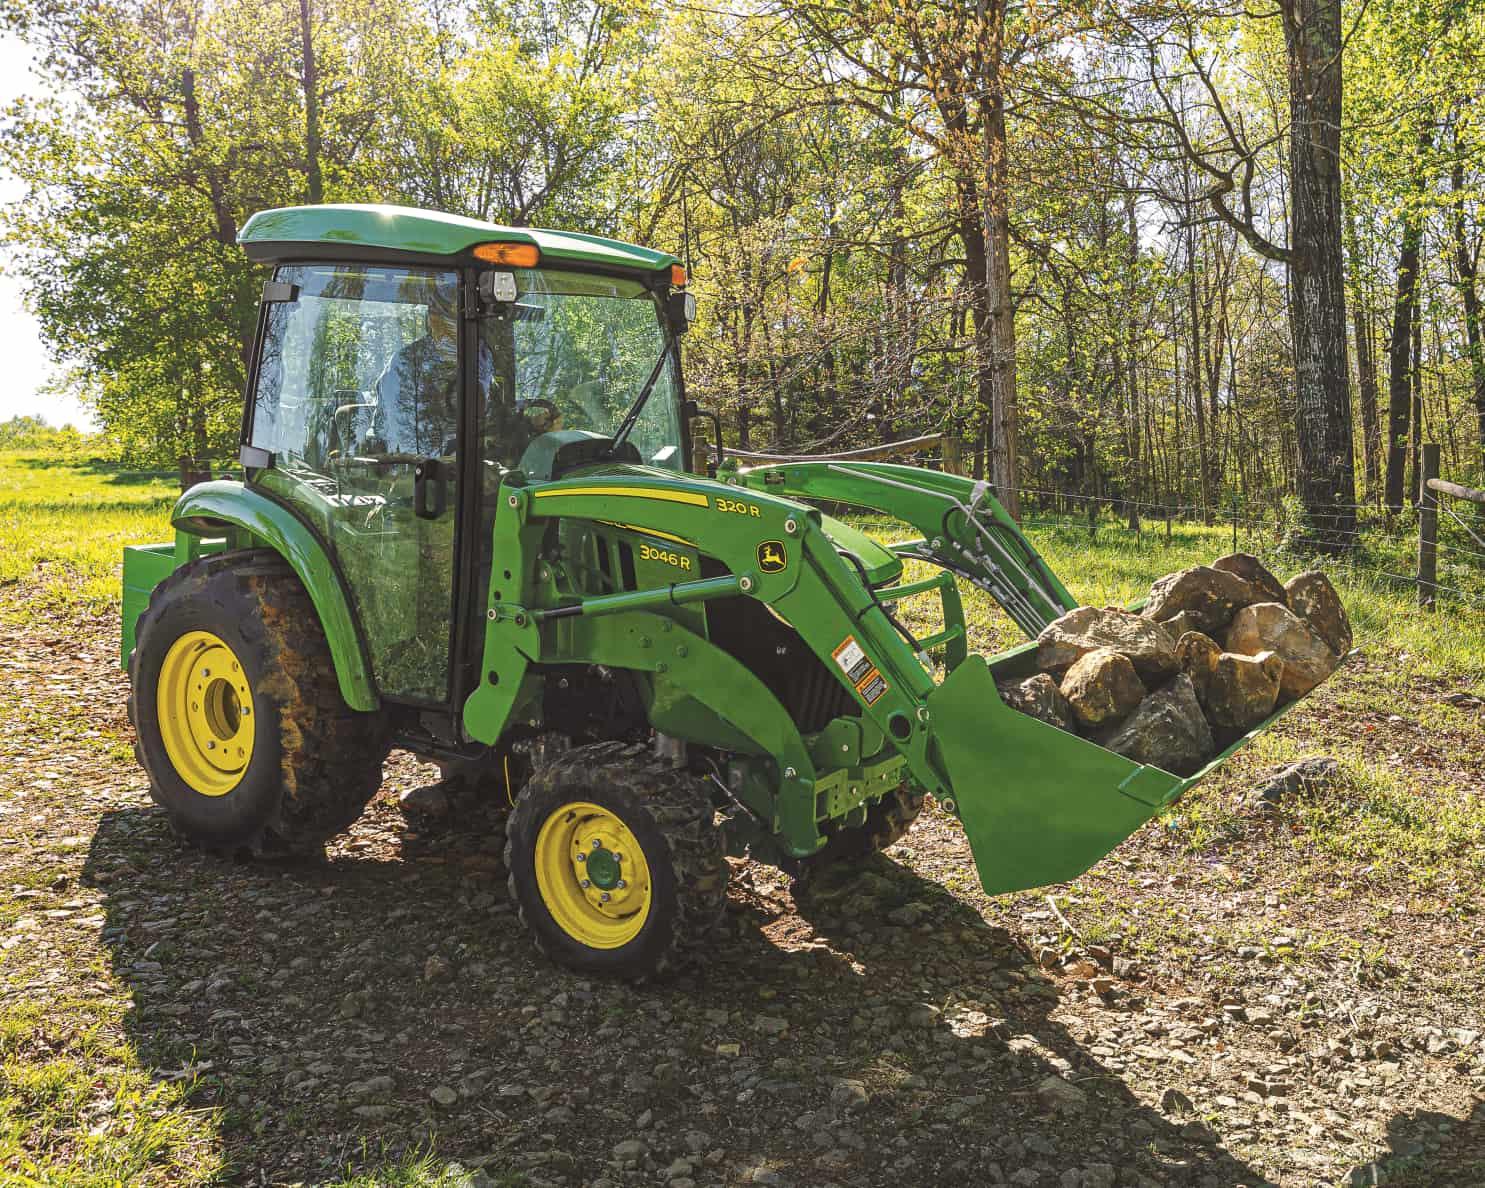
470	527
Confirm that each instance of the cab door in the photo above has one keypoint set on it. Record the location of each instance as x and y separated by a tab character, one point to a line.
357	399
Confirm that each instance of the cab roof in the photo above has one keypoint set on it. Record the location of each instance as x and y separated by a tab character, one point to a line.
293	231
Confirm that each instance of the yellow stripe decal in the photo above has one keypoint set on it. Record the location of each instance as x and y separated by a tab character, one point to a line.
681	540
690	497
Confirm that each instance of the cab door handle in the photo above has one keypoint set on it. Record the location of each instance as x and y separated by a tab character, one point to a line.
429	493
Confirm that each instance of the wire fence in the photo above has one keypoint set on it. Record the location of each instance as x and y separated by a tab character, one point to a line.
1412	546
1382	546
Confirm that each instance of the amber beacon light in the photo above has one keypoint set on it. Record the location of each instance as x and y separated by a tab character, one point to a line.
512	255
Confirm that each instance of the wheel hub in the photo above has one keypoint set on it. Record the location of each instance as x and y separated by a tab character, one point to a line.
592	875
603	869
205	710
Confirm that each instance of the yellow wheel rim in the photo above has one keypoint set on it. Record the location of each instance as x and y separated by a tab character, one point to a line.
206	713
592	875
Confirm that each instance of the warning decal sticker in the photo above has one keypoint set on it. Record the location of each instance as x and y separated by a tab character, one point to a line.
860	671
872	687
852	660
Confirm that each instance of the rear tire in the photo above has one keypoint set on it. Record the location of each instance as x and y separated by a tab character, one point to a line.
237	713
616	861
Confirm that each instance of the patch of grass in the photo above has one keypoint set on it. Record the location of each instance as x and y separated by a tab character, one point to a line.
77	1107
64	524
422	1171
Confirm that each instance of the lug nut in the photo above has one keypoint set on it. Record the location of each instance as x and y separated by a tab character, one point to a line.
605	897
597	844
582	857
585	884
621	884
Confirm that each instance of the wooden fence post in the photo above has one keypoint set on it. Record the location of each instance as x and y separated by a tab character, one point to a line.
1428	529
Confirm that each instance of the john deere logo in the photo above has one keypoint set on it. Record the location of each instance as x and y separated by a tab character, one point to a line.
771	556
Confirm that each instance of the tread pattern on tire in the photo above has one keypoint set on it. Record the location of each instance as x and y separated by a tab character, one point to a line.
680	808
331	755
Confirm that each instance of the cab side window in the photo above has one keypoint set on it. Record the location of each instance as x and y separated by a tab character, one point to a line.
358	386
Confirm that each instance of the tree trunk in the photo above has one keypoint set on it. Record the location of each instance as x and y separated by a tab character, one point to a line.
972	236
1001	362
1194	375
1415	441
1327	480
1467	265
1136	486
1366	363
314	182
1400	345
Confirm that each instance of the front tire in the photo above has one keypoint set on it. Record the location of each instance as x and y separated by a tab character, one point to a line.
237	714
615	860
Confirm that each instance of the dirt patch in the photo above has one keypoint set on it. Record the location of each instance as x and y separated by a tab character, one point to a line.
1243	1005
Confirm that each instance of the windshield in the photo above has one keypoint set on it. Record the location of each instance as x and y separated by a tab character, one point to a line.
585	345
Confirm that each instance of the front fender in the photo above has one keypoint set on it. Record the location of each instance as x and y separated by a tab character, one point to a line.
203	510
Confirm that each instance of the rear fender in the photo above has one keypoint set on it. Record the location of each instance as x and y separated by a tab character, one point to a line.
207	507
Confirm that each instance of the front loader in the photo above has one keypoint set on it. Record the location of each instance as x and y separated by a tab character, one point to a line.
469	527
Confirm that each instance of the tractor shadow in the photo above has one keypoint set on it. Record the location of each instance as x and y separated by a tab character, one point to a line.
343	1014
1426	1148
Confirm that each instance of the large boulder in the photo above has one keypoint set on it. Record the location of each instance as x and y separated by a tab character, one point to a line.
1197	655
1179	624
1102	688
1038	697
1313	598
1168	730
1243	690
1271	626
1253	571
1209	597
1147	644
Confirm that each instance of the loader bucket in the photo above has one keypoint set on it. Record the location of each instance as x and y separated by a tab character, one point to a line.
1038	804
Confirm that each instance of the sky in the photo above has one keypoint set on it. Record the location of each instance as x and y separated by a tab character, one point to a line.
26	362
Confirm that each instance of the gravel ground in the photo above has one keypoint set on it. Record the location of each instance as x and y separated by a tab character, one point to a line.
1249	1009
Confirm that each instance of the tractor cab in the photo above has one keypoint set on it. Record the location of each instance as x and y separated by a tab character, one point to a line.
405	357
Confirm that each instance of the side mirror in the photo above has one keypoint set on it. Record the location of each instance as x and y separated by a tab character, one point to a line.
692	411
680	308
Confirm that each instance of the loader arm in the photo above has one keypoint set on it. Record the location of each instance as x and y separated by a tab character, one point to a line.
964	529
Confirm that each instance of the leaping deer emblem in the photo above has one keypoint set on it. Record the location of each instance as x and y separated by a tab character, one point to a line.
771	556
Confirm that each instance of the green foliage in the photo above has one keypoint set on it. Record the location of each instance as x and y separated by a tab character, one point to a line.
812	165
33	433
